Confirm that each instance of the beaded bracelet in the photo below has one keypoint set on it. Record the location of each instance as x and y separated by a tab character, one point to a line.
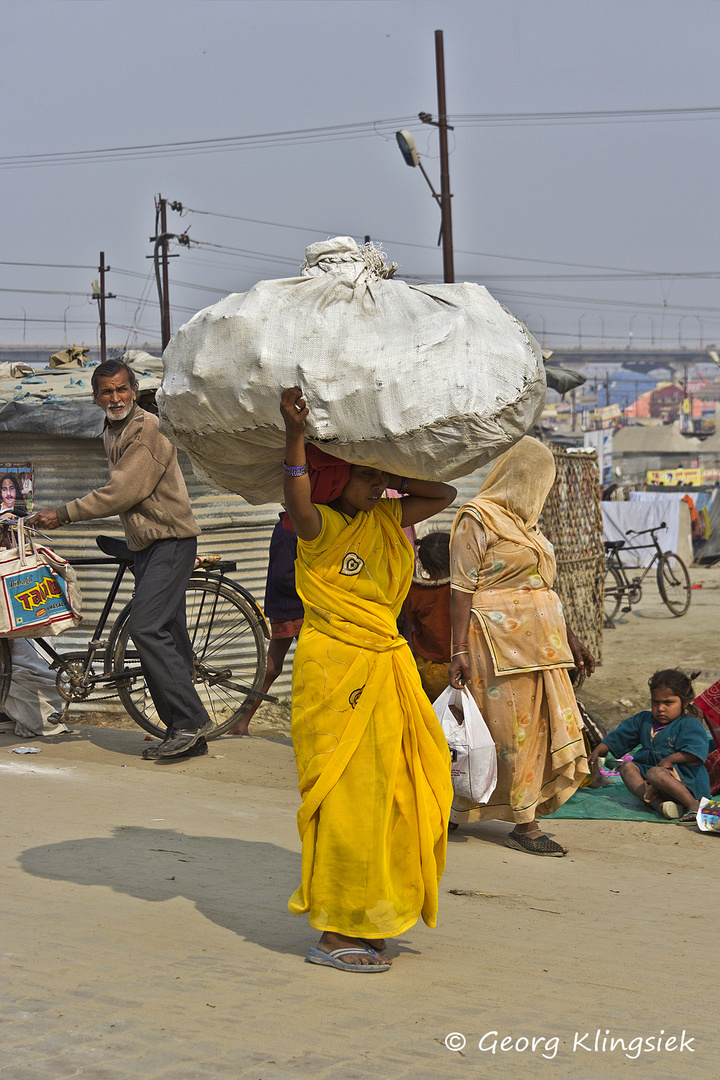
295	470
404	485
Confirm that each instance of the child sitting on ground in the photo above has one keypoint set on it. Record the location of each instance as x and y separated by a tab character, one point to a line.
668	771
427	608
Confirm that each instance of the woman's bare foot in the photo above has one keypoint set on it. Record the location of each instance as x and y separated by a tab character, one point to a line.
330	941
378	944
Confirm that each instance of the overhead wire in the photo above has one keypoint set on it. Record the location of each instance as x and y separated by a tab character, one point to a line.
431	247
360	129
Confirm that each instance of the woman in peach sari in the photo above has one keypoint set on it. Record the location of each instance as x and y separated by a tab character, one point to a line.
512	648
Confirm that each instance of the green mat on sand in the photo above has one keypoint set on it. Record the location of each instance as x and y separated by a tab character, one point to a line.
608	803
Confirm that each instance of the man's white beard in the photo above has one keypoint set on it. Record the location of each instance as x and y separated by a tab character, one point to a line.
117	415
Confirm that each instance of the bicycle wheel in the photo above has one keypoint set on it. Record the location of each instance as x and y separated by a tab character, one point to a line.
228	638
5	670
613	594
673	583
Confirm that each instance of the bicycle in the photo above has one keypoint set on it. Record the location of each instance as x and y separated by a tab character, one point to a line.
226	627
673	580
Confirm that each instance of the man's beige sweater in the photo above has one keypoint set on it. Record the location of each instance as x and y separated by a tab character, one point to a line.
146	487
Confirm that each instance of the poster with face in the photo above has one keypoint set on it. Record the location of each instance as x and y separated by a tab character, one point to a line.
16	487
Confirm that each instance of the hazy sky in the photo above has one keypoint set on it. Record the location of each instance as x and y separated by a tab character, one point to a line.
554	201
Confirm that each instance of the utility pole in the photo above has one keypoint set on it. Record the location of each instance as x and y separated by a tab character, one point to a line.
445	196
160	257
165	276
443	127
99	294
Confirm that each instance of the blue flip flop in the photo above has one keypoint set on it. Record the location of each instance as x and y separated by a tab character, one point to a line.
332	959
374	948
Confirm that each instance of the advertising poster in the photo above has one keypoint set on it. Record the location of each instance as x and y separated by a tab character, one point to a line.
16	487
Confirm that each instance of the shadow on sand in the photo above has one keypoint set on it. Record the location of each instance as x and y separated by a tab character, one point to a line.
241	885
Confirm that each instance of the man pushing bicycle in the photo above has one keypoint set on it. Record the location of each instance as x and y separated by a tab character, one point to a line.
147	491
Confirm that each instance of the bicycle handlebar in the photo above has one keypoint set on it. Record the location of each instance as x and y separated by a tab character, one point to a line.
642	532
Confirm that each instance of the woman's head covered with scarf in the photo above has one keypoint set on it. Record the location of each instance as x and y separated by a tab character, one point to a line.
328	477
511	499
520	480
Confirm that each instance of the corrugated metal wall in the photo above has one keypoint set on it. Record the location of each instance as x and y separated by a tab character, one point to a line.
66	469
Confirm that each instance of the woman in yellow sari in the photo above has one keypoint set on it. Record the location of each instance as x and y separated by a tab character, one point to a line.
372	760
512	648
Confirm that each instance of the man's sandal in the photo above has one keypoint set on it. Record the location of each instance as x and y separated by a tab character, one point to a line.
538	845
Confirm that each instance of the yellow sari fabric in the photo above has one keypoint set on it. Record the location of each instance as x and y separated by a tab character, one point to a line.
372	761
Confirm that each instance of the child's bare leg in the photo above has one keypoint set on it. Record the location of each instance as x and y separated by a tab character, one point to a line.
277	651
598	779
633	779
664	781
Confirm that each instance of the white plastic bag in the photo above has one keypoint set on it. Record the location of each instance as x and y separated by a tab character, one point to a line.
472	751
429	381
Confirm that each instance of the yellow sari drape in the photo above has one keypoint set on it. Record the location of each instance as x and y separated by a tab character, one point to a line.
372	761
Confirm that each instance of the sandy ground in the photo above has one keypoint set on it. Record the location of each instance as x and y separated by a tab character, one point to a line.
146	932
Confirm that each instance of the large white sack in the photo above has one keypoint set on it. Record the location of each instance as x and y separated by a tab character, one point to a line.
427	381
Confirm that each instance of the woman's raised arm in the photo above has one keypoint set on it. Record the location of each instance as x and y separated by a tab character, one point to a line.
423	498
304	515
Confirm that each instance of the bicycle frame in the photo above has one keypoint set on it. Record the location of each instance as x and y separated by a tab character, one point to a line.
616	561
95	643
110	664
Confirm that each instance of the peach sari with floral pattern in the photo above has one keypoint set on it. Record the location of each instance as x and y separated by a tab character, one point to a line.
519	656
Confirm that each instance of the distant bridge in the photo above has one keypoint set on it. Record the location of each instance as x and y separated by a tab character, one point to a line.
640	360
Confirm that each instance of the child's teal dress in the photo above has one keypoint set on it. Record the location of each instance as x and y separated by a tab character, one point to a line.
686	733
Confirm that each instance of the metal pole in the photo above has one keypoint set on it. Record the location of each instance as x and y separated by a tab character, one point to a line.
445	196
103	343
165	283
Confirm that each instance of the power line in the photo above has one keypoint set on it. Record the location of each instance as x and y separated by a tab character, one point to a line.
49	292
428	247
361	129
57	266
587	116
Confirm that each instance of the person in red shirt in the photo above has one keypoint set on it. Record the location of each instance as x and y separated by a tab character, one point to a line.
427	609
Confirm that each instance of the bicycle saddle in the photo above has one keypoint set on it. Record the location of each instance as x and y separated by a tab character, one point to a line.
116	549
614	545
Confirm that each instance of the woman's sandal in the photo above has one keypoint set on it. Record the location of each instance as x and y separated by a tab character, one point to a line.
688	818
538	845
334	959
373	945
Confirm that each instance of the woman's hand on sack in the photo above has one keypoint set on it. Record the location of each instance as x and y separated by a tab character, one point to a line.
44	519
584	659
294	410
459	672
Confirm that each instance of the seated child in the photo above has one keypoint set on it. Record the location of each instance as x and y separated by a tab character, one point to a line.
427	608
668	771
